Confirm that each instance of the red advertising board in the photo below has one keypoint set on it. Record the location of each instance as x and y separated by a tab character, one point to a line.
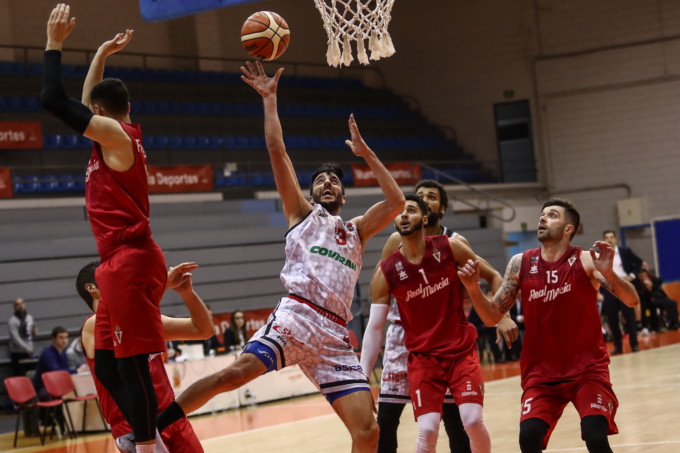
403	172
5	183
179	178
20	134
254	320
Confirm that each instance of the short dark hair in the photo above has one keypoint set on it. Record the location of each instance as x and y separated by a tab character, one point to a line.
422	204
570	213
605	232
328	167
112	94
57	330
431	183
85	276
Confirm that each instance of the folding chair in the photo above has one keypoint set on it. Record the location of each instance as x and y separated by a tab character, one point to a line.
58	384
21	392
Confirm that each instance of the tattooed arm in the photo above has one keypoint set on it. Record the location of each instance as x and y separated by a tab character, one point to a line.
491	311
601	270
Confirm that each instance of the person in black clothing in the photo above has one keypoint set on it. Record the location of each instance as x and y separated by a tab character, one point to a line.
236	336
627	265
652	291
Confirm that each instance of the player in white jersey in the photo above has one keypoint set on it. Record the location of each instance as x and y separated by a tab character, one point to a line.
394	384
323	260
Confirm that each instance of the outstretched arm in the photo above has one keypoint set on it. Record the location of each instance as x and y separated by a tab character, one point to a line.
602	266
295	205
199	326
96	72
373	336
383	213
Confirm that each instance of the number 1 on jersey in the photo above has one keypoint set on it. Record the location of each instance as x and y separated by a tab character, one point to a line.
424	276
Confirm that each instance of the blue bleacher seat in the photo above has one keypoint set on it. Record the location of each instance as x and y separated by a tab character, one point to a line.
215	142
66	183
32	104
174	142
18	184
228	142
70	141
188	142
49	183
52	141
79	181
202	142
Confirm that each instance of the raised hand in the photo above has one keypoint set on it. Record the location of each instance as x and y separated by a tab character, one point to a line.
604	262
256	78
179	277
59	26
356	143
117	43
469	274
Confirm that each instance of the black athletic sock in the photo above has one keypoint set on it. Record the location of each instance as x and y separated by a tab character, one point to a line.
388	422
594	429
170	415
459	442
531	434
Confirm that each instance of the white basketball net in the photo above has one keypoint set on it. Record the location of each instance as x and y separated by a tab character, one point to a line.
356	20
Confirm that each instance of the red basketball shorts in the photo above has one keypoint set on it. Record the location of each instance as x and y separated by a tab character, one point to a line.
180	437
590	397
131	284
430	376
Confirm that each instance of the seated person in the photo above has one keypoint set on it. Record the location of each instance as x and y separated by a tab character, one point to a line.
212	344
53	358
236	336
653	289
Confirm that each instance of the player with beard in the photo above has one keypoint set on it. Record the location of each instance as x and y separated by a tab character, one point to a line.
394	384
323	260
559	285
442	350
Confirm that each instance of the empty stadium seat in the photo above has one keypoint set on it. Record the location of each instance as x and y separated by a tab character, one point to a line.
52	141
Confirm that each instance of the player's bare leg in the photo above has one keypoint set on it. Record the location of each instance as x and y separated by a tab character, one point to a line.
356	412
246	368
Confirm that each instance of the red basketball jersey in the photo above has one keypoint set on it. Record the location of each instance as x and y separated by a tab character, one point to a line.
161	384
117	202
563	337
430	301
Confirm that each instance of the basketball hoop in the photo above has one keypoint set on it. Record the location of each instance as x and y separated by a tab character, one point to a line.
356	20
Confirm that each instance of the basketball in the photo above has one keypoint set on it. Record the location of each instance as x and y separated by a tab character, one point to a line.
265	35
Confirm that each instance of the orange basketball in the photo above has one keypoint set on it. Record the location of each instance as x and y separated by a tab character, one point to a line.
265	35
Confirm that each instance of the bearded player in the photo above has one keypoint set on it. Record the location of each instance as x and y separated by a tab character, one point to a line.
559	285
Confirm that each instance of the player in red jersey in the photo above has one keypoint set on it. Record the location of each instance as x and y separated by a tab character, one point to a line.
564	358
394	387
178	437
132	275
422	277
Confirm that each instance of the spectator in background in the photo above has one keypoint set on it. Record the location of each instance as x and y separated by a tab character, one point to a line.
74	354
212	344
652	292
22	330
236	336
53	358
627	265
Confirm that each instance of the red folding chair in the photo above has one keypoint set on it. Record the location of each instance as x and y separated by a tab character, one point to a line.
59	384
21	392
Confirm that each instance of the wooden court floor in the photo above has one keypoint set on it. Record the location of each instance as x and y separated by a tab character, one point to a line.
647	385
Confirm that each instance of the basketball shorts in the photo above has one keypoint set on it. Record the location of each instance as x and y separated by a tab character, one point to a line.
590	397
300	333
394	383
131	283
430	376
181	438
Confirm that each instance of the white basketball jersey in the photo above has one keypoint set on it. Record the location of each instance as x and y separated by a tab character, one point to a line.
393	314
323	261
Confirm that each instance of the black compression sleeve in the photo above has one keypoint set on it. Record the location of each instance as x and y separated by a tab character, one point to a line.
53	97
